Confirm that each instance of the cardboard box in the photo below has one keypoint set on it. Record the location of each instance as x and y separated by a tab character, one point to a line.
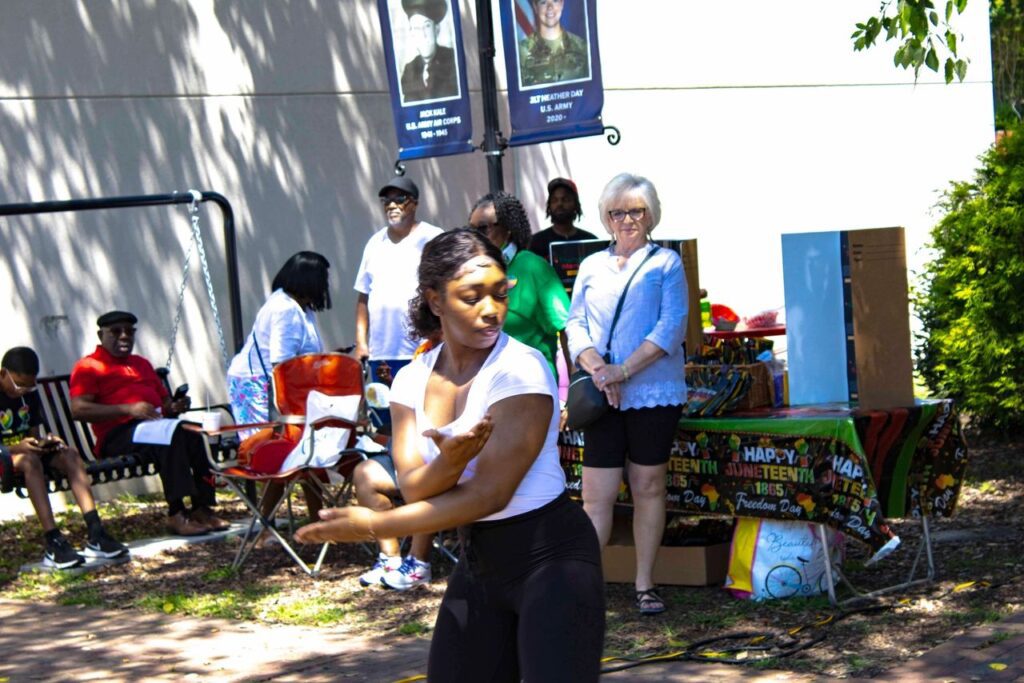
698	565
695	565
847	318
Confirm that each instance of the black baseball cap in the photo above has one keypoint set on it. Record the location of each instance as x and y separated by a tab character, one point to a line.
431	9
113	317
402	184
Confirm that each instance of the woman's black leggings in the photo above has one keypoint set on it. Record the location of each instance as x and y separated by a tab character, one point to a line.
526	601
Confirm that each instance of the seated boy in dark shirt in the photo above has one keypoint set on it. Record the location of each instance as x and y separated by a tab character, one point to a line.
21	432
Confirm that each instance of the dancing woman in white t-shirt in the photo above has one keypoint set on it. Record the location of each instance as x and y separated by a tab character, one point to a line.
475	447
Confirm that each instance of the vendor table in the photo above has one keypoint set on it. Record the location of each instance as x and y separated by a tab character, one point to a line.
748	332
832	464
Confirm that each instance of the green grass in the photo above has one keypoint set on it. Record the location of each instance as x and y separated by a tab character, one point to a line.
227	604
766	663
220	574
306	613
857	662
413	628
37	585
997	637
972	566
249	603
974	615
987	487
83	597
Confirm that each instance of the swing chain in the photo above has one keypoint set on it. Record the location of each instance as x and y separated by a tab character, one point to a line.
196	243
181	302
197	236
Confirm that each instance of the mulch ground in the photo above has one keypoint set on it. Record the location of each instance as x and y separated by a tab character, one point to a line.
977	552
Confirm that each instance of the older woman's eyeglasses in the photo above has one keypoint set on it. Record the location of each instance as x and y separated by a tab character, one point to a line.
619	215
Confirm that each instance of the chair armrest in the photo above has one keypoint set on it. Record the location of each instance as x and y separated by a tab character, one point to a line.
223	431
231	429
334	422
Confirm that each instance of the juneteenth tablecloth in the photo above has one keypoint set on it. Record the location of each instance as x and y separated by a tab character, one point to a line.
828	464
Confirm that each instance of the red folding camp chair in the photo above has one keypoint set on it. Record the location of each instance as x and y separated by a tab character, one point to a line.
314	448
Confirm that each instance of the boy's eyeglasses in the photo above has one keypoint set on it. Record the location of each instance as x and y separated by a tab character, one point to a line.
619	215
18	388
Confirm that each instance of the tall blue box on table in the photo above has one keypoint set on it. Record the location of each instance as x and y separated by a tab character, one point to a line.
847	318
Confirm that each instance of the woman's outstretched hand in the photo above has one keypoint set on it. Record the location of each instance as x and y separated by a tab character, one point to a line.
459	449
343	525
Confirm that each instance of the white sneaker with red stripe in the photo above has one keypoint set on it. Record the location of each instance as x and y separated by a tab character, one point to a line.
383	565
412	572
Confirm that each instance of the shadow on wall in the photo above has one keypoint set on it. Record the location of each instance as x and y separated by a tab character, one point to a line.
281	107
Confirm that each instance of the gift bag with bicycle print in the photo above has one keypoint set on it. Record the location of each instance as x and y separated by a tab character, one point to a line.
772	559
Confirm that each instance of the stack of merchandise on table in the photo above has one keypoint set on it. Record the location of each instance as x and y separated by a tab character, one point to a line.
733	374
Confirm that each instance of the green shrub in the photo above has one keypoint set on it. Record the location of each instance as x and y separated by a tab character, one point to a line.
972	301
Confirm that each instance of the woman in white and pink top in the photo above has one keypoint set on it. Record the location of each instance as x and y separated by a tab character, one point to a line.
475	448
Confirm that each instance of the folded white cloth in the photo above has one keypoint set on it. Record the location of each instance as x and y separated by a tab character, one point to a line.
322	447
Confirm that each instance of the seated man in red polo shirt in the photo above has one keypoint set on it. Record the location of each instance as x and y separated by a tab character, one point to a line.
116	390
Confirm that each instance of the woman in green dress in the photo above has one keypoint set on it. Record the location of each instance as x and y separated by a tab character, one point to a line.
538	305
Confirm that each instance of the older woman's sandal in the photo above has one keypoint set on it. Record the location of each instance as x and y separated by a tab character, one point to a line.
649	602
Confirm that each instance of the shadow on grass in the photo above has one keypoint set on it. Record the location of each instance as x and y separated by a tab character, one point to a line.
979	575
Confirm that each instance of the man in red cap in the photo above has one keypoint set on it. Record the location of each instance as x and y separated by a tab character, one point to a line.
563	210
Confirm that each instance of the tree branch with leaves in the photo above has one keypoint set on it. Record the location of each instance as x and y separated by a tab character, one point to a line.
925	36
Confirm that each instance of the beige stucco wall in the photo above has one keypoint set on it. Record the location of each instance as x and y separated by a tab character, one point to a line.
753	120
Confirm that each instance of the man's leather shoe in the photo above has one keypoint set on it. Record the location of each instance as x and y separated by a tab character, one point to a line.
180	525
204	515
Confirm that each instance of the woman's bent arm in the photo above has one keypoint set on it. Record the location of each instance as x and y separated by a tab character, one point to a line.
418	479
520	429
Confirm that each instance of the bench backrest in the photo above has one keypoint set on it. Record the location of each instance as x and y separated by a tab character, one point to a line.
55	397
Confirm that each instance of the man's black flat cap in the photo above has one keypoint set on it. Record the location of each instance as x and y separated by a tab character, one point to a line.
431	9
113	317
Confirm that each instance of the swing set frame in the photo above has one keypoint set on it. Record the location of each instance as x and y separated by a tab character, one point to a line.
134	201
55	391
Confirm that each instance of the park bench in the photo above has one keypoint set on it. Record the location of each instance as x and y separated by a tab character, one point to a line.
54	395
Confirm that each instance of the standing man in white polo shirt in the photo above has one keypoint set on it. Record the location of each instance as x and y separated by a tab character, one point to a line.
386	281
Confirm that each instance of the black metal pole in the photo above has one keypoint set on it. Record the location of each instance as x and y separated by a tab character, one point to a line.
230	250
493	147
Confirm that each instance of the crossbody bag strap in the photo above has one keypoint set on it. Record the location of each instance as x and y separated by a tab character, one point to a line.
259	355
622	298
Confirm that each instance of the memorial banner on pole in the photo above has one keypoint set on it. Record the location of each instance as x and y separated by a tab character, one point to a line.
553	67
426	69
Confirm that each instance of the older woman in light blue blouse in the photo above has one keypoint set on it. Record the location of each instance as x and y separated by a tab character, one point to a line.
644	378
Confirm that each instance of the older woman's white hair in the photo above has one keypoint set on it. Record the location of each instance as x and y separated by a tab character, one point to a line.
626	184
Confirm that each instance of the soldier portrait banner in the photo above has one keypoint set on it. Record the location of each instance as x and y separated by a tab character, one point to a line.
553	67
426	70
